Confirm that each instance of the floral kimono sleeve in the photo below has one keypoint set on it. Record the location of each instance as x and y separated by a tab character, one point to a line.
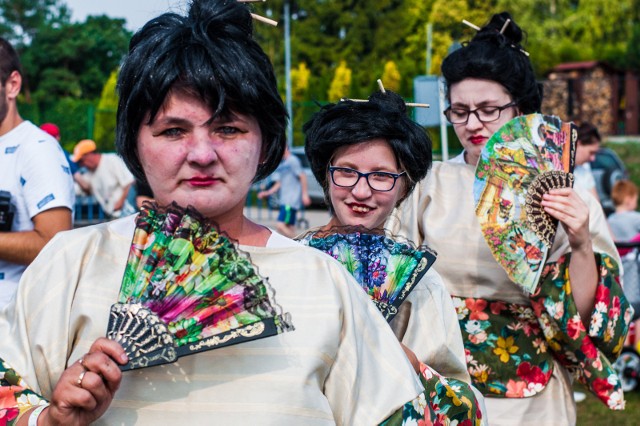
444	401
585	353
15	396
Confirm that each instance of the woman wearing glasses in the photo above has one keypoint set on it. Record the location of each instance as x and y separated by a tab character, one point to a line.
515	354
368	157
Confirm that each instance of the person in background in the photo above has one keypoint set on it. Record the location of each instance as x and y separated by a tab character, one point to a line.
36	188
588	145
625	226
54	131
200	119
625	221
521	348
107	179
291	185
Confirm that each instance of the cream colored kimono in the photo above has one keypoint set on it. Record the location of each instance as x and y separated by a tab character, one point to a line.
440	213
427	324
341	365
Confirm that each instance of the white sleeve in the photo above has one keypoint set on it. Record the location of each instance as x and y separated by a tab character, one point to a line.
371	377
45	177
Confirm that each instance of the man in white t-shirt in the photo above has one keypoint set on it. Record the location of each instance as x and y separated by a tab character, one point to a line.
107	179
36	187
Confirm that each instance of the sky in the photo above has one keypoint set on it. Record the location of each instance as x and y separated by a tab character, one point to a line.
136	12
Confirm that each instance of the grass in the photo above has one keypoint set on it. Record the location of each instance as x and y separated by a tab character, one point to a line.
592	412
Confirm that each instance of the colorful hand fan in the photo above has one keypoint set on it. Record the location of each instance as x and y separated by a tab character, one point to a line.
386	267
522	161
187	288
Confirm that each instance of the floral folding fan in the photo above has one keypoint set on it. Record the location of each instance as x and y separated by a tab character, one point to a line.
386	267
526	158
187	288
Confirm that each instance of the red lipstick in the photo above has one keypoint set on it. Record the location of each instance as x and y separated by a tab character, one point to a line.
477	140
201	181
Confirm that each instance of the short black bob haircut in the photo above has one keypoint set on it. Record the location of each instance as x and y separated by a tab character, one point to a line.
497	57
210	54
348	122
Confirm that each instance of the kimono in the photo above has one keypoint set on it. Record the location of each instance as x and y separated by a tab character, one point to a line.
341	364
426	323
521	349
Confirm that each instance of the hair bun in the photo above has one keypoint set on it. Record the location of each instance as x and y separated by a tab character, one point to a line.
389	101
220	18
512	33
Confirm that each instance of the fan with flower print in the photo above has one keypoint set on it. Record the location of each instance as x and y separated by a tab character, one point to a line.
188	288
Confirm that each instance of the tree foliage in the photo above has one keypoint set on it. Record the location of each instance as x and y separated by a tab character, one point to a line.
105	126
391	76
83	54
65	60
300	81
341	83
20	20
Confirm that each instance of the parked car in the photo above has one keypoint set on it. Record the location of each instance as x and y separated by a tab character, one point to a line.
607	169
313	187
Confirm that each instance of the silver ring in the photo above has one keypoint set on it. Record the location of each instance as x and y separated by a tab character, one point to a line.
81	361
80	377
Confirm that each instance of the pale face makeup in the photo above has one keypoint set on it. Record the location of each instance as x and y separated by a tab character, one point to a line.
361	205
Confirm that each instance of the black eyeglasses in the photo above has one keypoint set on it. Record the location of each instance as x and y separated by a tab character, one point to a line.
378	181
485	114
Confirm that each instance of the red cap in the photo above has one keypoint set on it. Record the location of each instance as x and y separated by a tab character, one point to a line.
52	129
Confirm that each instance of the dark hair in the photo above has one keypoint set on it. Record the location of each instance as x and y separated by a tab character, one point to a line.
498	57
348	122
588	134
211	54
9	61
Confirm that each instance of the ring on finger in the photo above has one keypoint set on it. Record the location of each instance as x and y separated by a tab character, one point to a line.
80	377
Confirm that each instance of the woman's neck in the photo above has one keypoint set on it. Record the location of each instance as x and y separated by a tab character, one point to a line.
246	232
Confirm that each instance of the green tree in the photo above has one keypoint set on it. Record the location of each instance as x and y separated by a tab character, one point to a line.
391	76
82	54
300	81
20	20
105	126
341	83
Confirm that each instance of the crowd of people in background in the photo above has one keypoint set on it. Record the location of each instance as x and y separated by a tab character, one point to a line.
200	119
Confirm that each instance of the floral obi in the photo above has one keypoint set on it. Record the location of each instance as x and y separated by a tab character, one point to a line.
507	353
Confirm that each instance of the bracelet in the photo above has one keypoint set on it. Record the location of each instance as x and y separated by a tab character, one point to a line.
33	418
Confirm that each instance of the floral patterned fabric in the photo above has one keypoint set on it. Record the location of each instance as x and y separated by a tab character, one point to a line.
510	347
15	397
445	401
586	353
506	350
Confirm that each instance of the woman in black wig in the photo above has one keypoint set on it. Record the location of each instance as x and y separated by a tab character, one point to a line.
520	348
368	157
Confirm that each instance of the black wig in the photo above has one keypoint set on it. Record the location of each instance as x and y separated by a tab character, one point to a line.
498	57
211	54
349	122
